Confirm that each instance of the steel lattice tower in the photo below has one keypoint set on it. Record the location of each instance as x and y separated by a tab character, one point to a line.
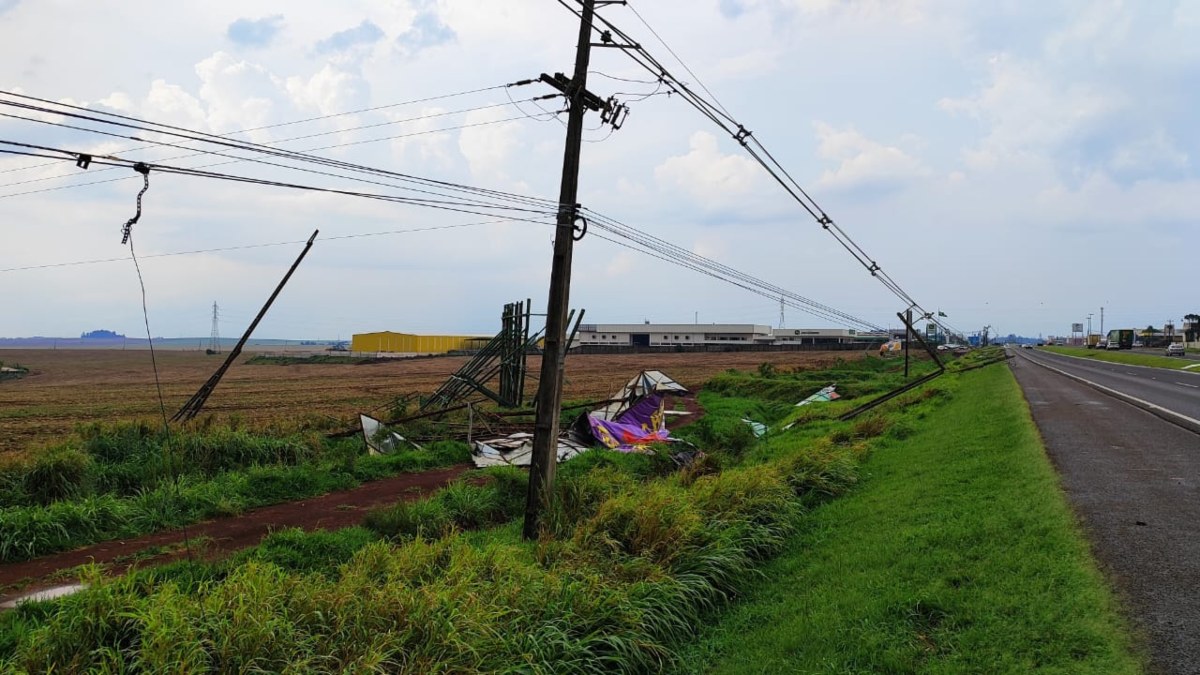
214	342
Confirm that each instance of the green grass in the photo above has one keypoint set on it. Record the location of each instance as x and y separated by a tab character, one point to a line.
635	553
957	554
635	556
1120	356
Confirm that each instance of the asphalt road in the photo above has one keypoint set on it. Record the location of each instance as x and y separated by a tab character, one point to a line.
1134	480
1177	391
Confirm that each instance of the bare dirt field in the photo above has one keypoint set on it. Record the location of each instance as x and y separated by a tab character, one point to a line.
68	387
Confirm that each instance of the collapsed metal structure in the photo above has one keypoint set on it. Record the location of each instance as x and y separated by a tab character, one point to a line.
503	355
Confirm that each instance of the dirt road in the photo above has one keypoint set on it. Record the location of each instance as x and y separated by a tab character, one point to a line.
226	535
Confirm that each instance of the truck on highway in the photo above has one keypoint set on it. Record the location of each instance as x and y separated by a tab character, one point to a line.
1120	338
1093	340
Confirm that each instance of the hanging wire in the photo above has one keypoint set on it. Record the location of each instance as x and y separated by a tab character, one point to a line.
717	114
162	406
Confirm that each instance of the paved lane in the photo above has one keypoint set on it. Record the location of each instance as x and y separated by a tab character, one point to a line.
1134	480
1175	390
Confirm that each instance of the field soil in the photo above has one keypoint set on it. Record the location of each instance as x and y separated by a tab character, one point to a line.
68	387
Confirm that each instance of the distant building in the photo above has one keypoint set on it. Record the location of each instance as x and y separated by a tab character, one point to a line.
825	336
387	342
667	334
731	334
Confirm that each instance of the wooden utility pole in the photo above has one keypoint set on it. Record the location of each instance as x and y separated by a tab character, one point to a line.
544	460
908	336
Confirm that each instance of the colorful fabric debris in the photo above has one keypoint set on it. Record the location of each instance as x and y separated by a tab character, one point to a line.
639	426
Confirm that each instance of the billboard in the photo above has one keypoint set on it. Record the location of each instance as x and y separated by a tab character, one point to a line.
931	330
1076	328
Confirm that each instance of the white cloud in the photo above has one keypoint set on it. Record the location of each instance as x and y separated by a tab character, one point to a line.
706	173
489	149
1082	125
863	163
239	94
1024	108
330	90
1156	151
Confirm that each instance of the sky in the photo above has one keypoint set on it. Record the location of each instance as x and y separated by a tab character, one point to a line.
1018	165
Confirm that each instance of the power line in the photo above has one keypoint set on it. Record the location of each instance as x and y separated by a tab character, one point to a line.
276	152
330	116
257	147
151	144
672	51
266	245
205	166
648	244
669	252
716	113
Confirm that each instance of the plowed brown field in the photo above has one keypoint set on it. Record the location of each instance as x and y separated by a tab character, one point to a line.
67	387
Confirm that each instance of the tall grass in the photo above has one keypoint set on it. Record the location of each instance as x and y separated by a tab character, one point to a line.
638	574
633	556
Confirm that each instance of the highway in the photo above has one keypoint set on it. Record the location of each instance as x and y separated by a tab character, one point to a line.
1174	391
1133	478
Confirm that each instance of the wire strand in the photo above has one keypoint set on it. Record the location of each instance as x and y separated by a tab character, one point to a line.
162	406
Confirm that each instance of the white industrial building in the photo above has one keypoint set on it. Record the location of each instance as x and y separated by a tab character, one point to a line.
823	336
685	334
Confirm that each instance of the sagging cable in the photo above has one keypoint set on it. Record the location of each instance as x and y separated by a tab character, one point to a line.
127	229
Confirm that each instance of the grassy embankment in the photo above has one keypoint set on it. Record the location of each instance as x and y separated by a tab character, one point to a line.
635	554
1131	358
958	553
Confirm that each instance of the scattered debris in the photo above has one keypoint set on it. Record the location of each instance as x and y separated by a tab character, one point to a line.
643	384
43	595
380	439
823	396
633	430
517	450
891	347
630	421
758	428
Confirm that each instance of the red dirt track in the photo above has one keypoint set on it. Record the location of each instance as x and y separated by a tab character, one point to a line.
226	535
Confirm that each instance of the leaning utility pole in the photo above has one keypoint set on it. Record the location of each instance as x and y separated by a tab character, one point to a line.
544	460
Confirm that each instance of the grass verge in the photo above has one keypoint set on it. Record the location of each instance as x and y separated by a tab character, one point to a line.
958	553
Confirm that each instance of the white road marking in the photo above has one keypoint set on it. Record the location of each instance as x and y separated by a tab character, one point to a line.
1185	384
1189	422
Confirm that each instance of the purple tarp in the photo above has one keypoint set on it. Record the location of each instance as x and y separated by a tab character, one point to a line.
641	425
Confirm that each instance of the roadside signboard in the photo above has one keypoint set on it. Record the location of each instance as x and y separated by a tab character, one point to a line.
1076	328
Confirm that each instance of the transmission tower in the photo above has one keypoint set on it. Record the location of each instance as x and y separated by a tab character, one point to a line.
781	312
214	343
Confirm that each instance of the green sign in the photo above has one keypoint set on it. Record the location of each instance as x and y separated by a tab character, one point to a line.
931	330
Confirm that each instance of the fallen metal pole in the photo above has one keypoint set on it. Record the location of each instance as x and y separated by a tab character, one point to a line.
196	402
907	387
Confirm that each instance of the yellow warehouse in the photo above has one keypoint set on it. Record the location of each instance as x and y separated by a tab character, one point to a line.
407	343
